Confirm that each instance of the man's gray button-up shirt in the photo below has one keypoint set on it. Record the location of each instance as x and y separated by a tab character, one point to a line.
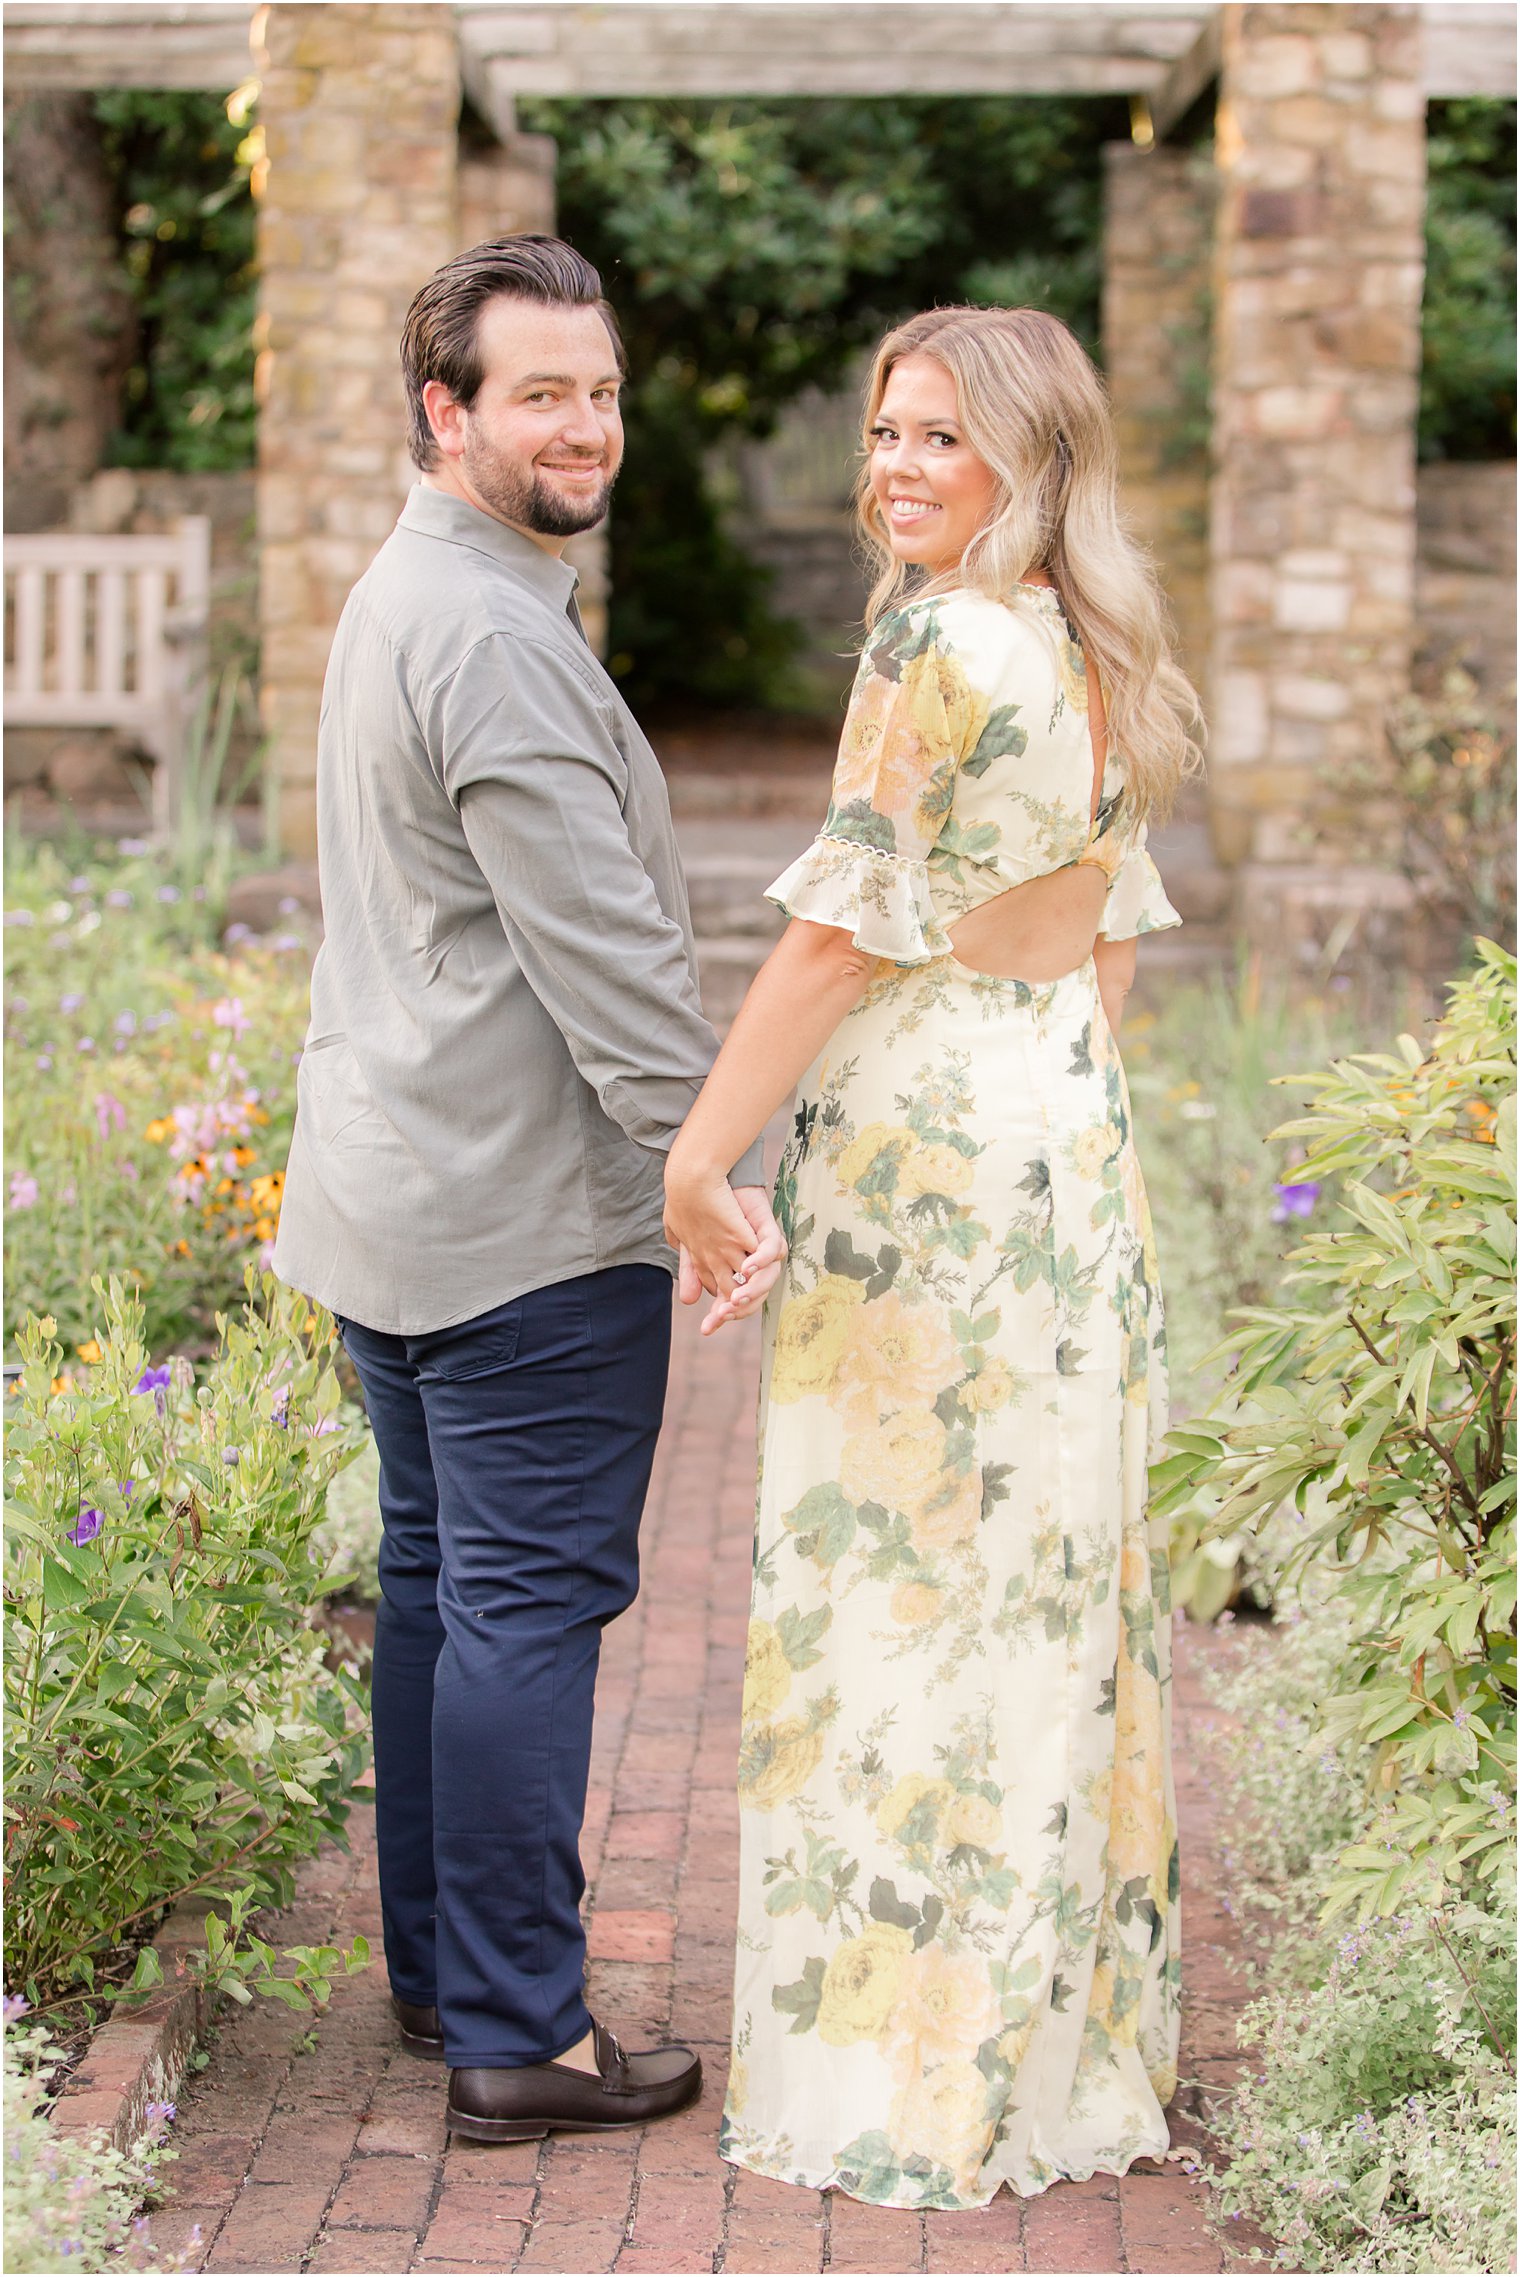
506	1032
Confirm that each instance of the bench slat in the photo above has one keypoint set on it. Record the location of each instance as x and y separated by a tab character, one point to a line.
30	601
152	595
110	631
70	651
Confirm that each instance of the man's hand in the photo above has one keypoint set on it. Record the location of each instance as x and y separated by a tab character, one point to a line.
758	1274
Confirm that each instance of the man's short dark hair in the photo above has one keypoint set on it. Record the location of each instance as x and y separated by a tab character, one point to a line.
441	337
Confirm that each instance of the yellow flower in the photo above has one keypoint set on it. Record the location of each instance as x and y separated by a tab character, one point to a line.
1094	1147
935	1170
90	1353
780	1761
950	1514
767	1673
992	1386
264	1229
897	1464
860	1984
971	1818
860	1156
946	2009
914	1603
810	1337
943	2118
895	1355
894	1810
158	1131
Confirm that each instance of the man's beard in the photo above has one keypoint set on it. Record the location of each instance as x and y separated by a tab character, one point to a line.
512	488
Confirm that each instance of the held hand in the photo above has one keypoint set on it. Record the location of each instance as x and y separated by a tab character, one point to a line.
703	1219
757	1276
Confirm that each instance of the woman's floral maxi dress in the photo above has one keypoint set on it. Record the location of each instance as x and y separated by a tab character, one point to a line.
958	1934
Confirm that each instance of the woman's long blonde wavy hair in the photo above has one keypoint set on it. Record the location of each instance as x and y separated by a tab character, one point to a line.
1034	410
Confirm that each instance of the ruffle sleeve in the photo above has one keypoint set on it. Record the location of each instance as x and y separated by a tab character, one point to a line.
882	899
1136	902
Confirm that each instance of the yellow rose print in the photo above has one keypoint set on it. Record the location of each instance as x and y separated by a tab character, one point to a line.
937	1169
945	2006
971	1818
894	1811
915	1602
896	1465
944	2117
1093	1148
810	1337
783	1759
767	1673
895	1356
862	1154
949	1514
860	1984
992	1387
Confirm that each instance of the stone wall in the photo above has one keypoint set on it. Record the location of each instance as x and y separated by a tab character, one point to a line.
360	105
1318	274
1158	236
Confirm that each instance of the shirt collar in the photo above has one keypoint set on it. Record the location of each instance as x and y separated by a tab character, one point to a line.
439	514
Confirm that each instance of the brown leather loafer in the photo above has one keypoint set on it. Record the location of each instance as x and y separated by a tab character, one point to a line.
420	2029
540	2099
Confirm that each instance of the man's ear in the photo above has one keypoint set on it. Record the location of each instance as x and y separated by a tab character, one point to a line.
447	418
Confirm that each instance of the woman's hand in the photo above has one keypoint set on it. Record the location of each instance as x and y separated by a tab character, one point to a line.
756	1277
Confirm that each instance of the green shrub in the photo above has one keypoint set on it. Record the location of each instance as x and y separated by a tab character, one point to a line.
150	1091
70	2202
349	1535
172	1723
1380	2134
1377	1400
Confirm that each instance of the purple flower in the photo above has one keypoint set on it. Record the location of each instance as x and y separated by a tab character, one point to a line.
13	2007
110	1114
232	1456
125	1023
132	845
162	2113
70	1003
156	1381
1294	1200
79	885
24	1190
118	898
229	1013
236	933
20	917
44	1061
85	1528
168	893
85	1044
279	1406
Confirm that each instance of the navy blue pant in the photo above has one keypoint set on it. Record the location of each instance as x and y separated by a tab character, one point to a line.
515	1453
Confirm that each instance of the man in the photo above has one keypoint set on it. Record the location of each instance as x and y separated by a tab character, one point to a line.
505	1038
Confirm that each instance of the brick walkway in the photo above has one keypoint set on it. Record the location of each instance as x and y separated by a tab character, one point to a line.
326	2151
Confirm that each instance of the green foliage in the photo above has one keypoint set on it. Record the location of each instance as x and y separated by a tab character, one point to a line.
1467	381
1374	2128
70	2201
1447	776
349	1535
150	1090
1376	1399
172	1724
181	170
753	249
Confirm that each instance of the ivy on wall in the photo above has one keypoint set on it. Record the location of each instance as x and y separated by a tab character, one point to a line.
1467	381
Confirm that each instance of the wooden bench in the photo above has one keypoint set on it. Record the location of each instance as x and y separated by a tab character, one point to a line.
111	632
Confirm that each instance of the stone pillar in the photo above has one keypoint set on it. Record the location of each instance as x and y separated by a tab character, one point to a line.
1318	276
360	108
1158	237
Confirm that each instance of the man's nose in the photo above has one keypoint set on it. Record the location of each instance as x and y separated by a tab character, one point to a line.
583	429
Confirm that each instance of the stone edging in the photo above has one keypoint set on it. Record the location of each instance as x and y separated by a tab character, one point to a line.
140	2055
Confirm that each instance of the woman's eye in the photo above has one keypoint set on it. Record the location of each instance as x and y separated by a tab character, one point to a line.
883	434
949	441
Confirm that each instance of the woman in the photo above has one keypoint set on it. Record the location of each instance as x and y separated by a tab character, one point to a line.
958	1958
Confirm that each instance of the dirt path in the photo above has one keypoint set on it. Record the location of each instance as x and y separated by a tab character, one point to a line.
333	2158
